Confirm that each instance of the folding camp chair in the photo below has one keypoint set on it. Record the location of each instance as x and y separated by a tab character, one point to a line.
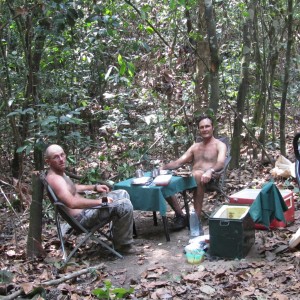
218	180
76	227
296	145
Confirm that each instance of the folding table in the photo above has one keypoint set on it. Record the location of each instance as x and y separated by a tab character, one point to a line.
152	197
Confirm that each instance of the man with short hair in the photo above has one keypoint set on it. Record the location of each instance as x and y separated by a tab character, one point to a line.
207	157
120	212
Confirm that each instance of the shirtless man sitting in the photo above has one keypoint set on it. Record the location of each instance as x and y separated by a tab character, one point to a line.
207	157
120	212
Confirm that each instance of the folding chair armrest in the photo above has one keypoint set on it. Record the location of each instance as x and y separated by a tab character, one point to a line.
227	161
93	207
59	204
217	174
296	146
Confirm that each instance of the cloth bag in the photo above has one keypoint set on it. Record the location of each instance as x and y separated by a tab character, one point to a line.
283	168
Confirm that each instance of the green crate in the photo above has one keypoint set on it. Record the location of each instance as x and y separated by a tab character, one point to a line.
231	231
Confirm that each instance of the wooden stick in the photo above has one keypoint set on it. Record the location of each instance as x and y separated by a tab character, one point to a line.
72	275
57	281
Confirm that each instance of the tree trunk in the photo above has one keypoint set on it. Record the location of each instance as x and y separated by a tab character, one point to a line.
274	45
286	77
34	241
33	44
259	114
202	63
214	56
242	93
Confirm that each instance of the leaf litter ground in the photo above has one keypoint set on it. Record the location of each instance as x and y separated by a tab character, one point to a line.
159	270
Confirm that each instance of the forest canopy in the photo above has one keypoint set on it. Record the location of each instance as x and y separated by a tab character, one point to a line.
127	79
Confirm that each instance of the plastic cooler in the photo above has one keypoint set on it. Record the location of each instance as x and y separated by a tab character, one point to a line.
247	196
231	231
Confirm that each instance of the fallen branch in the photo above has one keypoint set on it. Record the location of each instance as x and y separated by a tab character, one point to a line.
13	295
72	275
57	281
6	183
10	205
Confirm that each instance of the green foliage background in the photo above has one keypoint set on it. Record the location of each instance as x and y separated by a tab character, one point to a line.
117	78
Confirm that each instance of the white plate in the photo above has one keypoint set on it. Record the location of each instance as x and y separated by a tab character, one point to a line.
162	179
164	172
140	180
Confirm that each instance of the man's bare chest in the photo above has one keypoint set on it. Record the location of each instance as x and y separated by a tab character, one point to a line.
207	154
71	185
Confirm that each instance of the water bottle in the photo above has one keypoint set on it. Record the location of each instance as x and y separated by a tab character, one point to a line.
139	173
194	224
201	231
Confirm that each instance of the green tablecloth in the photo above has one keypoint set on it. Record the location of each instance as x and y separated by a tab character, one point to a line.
152	198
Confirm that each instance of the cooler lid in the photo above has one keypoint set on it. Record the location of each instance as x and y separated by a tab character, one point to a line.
253	193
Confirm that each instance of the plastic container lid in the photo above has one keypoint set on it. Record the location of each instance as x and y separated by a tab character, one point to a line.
295	240
200	238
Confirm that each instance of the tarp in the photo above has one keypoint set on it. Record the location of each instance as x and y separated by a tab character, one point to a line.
268	205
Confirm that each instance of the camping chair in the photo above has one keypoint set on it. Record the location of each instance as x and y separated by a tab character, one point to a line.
76	227
217	182
296	145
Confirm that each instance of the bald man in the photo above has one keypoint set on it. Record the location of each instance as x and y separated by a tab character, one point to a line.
120	212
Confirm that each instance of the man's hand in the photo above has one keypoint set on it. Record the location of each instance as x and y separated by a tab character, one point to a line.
101	188
207	176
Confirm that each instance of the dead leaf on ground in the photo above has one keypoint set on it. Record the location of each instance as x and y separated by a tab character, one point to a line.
194	277
27	287
207	289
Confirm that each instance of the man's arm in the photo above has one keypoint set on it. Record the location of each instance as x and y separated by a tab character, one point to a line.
96	187
222	150
62	190
219	165
185	158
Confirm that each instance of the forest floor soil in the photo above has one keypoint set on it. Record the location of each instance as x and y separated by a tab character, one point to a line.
158	258
159	270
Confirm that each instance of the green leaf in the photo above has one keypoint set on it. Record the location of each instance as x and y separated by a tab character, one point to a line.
20	149
149	30
120	59
108	283
13	113
121	292
172	4
131	69
102	157
28	111
50	119
122	69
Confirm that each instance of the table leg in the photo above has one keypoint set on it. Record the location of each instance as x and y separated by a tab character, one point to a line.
166	228
186	206
155	218
134	232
